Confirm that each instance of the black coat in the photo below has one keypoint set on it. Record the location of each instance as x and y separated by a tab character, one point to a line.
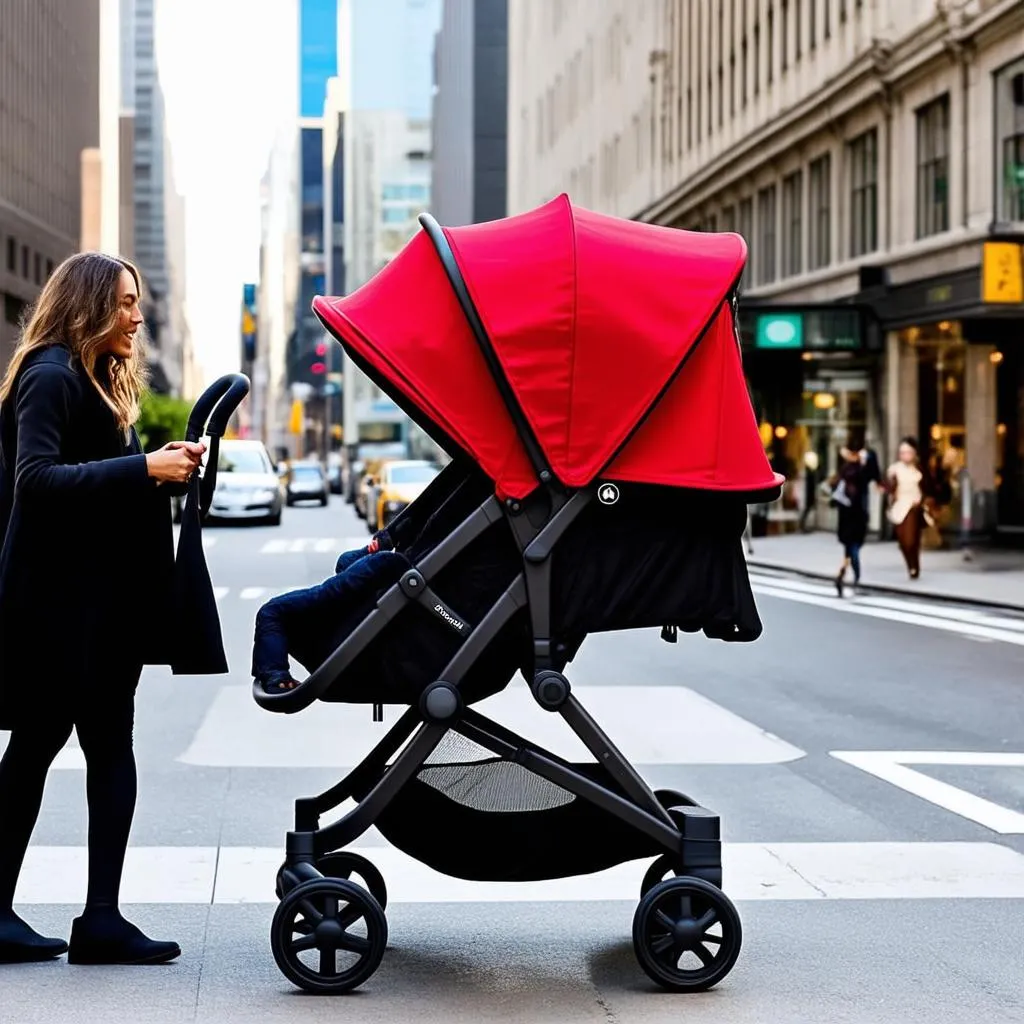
87	564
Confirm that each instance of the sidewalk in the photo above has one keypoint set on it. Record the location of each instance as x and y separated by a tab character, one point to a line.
989	577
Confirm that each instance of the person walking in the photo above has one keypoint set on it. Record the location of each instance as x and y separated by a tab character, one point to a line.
850	497
908	511
86	539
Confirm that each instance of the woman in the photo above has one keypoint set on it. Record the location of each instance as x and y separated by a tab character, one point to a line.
86	540
851	498
907	511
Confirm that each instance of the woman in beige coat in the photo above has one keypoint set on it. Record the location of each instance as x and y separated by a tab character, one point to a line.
908	510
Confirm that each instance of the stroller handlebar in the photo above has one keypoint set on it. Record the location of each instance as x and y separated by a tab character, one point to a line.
289	701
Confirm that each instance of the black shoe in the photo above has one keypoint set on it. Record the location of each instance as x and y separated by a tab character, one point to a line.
105	937
20	944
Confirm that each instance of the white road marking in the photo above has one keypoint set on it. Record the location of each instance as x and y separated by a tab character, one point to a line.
318	545
857	607
891	767
753	871
219	593
954	613
649	724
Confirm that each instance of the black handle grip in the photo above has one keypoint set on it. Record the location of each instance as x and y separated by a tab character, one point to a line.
215	406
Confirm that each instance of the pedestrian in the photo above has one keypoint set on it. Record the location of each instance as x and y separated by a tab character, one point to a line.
850	498
908	503
86	571
811	464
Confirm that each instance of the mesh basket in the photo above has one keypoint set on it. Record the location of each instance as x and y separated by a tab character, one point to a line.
470	814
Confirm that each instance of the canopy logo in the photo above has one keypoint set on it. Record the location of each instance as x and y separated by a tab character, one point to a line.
608	494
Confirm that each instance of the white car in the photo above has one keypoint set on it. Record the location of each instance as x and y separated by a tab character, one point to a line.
247	485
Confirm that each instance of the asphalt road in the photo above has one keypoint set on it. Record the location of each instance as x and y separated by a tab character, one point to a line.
867	760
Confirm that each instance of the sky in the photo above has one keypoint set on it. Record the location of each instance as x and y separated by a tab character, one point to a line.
228	70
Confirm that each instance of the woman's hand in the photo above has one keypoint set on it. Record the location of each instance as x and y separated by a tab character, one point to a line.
175	462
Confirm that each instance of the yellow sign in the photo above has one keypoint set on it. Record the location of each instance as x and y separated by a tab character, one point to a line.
1002	279
295	423
248	324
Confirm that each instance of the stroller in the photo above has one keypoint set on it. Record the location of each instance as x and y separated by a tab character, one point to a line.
584	374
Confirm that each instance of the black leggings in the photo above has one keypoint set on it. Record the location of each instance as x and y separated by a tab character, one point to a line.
105	730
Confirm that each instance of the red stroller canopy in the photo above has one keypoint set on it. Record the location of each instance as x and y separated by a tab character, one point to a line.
581	344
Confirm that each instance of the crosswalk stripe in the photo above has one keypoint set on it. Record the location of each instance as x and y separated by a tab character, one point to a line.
317	545
752	871
953	613
651	725
974	630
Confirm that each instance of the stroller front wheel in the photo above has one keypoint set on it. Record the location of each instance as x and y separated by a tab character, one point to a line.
341	864
686	934
328	936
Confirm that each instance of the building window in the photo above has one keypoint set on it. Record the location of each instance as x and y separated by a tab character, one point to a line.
827	28
38	267
819	218
812	24
798	25
863	155
792	224
933	168
746	229
771	42
24	262
49	269
1009	155
743	74
766	233
757	57
12	256
13	308
842	12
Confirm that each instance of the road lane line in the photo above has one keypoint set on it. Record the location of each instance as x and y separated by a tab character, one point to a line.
891	767
954	614
909	618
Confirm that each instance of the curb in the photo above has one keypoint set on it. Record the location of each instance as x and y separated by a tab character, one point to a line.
881	588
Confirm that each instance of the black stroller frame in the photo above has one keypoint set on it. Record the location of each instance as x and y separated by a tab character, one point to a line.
680	894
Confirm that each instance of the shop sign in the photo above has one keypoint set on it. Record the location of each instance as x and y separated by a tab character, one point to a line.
779	330
1002	279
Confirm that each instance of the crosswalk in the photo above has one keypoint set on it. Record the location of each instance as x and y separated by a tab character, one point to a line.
974	623
656	727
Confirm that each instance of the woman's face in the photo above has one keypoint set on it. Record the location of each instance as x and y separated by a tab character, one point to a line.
907	453
120	341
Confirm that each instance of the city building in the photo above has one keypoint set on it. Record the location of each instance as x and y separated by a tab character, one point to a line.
470	122
870	153
50	115
388	80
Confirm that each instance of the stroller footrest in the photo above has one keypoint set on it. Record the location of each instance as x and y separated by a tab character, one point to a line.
700	851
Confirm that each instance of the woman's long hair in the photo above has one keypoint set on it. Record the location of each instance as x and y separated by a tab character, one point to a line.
78	307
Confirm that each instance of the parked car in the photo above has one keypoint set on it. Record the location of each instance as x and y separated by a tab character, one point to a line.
247	485
355	473
306	481
364	490
399	483
334	475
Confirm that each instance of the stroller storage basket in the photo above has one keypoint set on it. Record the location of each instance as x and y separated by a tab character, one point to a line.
502	823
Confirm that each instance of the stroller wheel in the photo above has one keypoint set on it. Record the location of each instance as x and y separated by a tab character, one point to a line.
328	936
686	934
344	865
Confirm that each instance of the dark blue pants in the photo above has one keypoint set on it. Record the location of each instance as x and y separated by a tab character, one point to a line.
295	623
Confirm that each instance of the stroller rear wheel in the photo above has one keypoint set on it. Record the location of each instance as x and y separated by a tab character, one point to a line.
342	864
328	935
686	934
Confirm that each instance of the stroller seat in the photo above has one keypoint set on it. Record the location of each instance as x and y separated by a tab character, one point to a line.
588	386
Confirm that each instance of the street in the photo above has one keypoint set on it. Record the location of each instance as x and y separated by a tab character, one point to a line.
866	757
